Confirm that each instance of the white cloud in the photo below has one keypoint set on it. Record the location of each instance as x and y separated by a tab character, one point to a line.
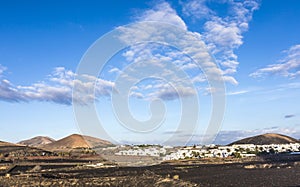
8	92
197	9
163	12
58	89
192	46
200	78
136	95
114	70
167	92
238	92
223	34
289	65
230	79
2	69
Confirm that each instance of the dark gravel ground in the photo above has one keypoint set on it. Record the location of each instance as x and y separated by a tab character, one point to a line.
279	172
237	174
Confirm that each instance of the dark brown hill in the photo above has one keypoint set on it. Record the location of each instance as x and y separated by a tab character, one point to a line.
77	141
265	139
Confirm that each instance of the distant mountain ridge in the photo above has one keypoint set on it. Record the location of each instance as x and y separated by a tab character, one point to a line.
77	141
266	139
37	141
2	143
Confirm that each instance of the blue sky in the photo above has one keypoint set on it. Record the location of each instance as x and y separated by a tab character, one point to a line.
256	44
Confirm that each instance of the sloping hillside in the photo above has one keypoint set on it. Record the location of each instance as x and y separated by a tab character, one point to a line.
77	141
4	144
37	141
11	151
265	139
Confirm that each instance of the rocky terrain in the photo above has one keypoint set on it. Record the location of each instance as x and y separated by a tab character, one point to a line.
143	178
256	173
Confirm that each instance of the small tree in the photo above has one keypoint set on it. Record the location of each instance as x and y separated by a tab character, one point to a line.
237	155
242	149
272	151
194	153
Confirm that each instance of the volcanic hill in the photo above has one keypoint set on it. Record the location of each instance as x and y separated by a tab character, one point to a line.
37	141
77	141
266	139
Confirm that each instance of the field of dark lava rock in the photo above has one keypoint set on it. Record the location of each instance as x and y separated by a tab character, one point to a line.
276	172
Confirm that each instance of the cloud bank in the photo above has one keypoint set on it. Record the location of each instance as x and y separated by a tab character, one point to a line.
221	34
57	88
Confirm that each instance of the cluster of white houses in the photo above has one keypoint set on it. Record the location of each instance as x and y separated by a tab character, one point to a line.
208	151
238	150
140	151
